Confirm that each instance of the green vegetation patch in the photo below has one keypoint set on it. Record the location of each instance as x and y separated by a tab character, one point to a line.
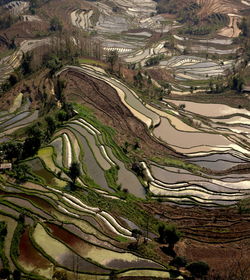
108	133
3	234
178	163
92	62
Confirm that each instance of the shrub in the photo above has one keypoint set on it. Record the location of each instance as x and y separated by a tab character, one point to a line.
169	234
198	269
178	262
4	273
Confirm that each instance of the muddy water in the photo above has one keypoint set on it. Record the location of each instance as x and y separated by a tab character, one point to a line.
123	264
171	177
177	123
236	129
29	255
15	119
58	146
128	179
4	139
91	140
232	177
91	238
209	110
5	118
217	161
24	121
40	171
198	193
187	139
26	204
74	242
201	150
62	254
234	120
216	165
71	260
9	210
200	48
168	177
33	186
94	170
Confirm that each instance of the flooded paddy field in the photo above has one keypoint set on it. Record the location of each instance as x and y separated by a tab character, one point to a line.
136	147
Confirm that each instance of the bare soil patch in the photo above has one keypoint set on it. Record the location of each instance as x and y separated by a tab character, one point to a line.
218	236
109	109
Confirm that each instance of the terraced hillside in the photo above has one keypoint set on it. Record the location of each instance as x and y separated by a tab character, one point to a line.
122	122
202	143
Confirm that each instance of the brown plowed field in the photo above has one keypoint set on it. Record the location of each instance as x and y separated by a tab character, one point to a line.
220	237
209	7
63	9
110	111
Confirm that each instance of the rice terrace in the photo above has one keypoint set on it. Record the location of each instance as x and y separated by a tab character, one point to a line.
125	139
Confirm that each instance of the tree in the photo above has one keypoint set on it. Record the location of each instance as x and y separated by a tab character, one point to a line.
69	109
21	218
237	83
149	80
7	20
16	275
3	229
155	60
112	58
62	116
74	171
182	106
53	63
31	146
138	79
4	273
178	262
244	28
60	86
60	275
137	168
51	125
20	172
112	275
35	131
169	234
55	24
26	63
12	150
13	79
136	233
136	145
198	269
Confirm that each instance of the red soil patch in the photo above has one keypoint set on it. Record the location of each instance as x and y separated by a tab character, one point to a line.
160	75
67	237
29	255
